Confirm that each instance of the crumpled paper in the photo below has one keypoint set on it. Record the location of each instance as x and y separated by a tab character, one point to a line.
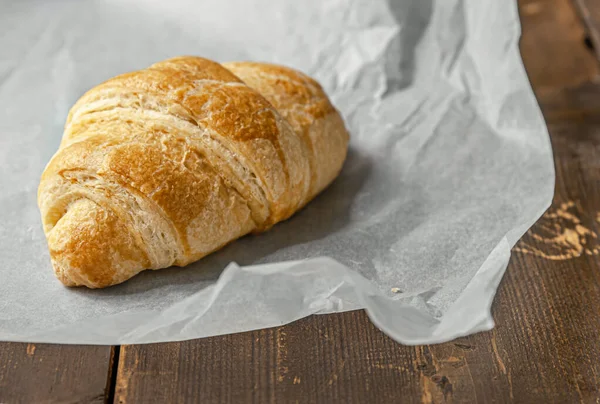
449	164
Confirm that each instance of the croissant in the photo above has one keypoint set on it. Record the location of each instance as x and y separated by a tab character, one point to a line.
162	166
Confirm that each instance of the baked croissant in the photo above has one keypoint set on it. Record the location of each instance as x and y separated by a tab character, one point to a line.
165	165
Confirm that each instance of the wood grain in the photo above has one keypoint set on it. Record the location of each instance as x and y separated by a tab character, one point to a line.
553	45
43	373
590	12
562	69
339	358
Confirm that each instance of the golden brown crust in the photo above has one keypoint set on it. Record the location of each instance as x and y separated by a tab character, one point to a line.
162	166
304	104
105	252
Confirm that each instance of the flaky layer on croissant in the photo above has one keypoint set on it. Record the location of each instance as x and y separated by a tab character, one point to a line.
162	166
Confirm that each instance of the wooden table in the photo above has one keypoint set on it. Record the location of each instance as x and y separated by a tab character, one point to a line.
545	347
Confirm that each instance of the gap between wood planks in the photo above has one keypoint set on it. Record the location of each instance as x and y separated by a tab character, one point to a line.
111	378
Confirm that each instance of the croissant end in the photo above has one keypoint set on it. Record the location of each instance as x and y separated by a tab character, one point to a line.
89	247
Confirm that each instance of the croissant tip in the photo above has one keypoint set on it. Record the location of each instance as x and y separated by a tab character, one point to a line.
62	275
89	248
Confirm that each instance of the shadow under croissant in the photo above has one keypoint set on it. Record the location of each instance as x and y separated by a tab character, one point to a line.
327	213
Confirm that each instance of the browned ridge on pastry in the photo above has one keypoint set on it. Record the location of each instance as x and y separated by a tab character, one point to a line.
165	165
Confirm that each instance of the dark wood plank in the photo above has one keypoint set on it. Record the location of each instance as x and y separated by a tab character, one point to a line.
43	373
562	69
590	12
339	358
553	46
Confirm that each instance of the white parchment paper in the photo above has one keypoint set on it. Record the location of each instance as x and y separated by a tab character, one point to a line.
449	164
